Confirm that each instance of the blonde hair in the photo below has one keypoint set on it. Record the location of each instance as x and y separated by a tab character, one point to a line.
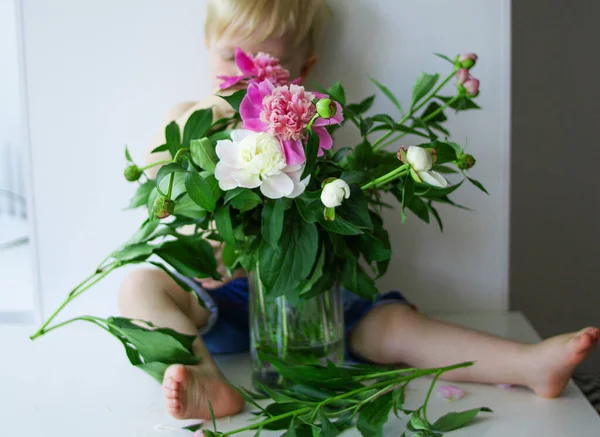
260	20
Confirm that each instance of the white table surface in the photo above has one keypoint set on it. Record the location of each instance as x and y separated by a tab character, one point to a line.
77	382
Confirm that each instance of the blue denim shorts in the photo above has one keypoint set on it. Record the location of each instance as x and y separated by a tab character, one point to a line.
228	327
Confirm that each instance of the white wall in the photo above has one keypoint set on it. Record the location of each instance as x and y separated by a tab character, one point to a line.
10	104
102	74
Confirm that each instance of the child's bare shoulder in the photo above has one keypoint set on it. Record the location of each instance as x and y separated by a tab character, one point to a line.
182	111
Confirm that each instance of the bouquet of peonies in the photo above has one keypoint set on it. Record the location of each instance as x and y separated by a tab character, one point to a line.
301	219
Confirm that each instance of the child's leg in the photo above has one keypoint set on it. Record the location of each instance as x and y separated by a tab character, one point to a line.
406	336
151	295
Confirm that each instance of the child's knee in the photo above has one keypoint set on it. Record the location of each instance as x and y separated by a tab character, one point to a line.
136	286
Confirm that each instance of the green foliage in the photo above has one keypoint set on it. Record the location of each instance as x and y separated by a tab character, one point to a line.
235	99
197	126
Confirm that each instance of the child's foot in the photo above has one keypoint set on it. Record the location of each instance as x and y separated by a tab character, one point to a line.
187	390
557	358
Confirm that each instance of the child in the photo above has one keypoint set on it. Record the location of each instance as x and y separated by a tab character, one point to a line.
289	30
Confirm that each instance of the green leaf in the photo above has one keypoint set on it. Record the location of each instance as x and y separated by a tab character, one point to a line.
337	92
178	185
357	281
233	193
165	171
341	154
363	106
245	200
147	228
173	137
328	429
184	286
272	221
385	90
355	209
419	208
436	215
197	126
203	154
212	415
162	345
193	261
200	191
161	148
365	126
354	177
278	409
452	421
294	255
128	155
340	226
417	423
439	55
425	83
235	99
407	194
478	185
137	252
224	224
309	206
431	108
373	249
185	206
141	195
312	150
319	377
374	415
463	103
435	192
443	169
194	428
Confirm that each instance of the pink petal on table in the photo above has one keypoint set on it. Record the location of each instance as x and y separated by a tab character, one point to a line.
451	392
198	433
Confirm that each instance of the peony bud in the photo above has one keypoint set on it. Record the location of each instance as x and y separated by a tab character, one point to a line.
419	158
421	161
326	108
471	85
467	60
132	173
163	207
462	74
465	161
334	193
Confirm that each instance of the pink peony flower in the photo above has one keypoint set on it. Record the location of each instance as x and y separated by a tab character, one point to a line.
451	392
472	86
462	74
257	68
467	60
285	112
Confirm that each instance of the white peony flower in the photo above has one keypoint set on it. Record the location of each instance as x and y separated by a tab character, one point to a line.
421	162
334	193
252	160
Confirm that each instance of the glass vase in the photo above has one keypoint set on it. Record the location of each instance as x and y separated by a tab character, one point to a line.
310	332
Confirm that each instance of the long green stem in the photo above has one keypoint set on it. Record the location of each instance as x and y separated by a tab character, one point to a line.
376	375
387	178
77	291
378	144
283	314
441	108
155	163
95	320
437	375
